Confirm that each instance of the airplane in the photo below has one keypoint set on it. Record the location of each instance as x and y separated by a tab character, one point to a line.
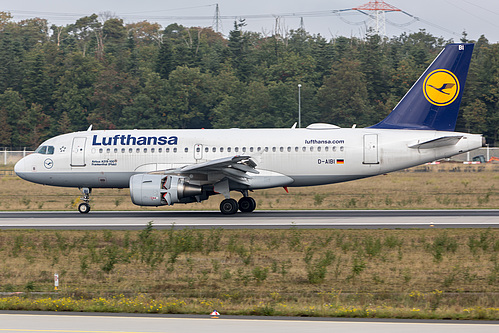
169	166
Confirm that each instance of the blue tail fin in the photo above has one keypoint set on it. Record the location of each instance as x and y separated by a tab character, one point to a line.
433	101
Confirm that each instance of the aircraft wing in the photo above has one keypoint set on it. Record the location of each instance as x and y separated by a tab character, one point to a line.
438	142
235	168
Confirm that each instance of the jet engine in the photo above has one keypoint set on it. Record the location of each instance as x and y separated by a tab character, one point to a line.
159	190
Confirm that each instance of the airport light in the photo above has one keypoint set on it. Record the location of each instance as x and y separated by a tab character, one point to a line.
299	105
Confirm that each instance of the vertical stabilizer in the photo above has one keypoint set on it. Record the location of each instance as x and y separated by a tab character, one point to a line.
433	101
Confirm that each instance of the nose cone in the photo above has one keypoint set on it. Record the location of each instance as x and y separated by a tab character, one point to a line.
20	168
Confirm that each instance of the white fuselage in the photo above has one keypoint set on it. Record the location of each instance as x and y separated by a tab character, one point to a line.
284	157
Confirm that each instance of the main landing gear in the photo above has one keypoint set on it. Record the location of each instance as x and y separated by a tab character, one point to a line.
84	207
231	206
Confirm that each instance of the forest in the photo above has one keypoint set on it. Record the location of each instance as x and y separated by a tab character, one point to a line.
103	72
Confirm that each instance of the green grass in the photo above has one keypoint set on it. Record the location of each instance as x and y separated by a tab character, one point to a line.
431	273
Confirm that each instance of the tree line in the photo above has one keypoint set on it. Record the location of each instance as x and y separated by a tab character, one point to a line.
104	72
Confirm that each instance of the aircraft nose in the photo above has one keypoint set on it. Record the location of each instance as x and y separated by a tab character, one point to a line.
20	167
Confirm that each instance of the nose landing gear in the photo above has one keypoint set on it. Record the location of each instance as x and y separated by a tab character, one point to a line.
84	207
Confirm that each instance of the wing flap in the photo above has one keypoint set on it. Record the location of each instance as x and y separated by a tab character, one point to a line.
242	162
235	168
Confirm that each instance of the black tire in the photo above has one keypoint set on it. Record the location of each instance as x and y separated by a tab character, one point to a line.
84	208
229	206
247	204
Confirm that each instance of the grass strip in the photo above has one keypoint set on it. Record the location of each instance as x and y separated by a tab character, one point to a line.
430	273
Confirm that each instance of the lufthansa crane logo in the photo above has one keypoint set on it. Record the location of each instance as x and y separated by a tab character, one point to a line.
48	163
441	87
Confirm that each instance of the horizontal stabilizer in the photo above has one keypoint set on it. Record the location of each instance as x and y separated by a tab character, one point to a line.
437	143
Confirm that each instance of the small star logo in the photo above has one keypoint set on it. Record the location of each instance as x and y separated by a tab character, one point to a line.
62	149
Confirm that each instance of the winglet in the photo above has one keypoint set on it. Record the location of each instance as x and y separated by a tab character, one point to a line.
433	101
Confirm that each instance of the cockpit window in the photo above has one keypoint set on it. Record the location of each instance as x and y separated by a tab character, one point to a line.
45	150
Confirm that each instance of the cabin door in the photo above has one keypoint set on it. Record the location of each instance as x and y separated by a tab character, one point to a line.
78	152
371	149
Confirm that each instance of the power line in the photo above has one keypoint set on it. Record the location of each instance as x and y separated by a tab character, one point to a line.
171	10
218	19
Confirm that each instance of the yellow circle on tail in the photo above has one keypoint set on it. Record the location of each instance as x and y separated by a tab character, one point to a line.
441	87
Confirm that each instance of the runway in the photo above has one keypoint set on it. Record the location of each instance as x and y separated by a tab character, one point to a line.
108	323
351	219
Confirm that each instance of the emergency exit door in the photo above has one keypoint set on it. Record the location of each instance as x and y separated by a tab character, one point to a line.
198	152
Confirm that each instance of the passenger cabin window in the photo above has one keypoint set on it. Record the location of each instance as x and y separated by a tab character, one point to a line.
214	149
186	149
221	149
174	150
236	149
228	149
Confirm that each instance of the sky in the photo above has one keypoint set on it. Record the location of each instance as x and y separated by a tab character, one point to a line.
441	18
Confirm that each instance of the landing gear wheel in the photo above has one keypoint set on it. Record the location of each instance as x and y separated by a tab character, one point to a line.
84	208
247	204
229	206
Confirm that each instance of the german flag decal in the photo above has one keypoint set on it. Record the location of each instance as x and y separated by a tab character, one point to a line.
340	161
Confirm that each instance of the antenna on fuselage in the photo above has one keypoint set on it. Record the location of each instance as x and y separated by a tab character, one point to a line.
294	126
89	128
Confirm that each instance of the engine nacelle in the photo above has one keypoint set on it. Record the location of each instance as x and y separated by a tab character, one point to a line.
159	190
